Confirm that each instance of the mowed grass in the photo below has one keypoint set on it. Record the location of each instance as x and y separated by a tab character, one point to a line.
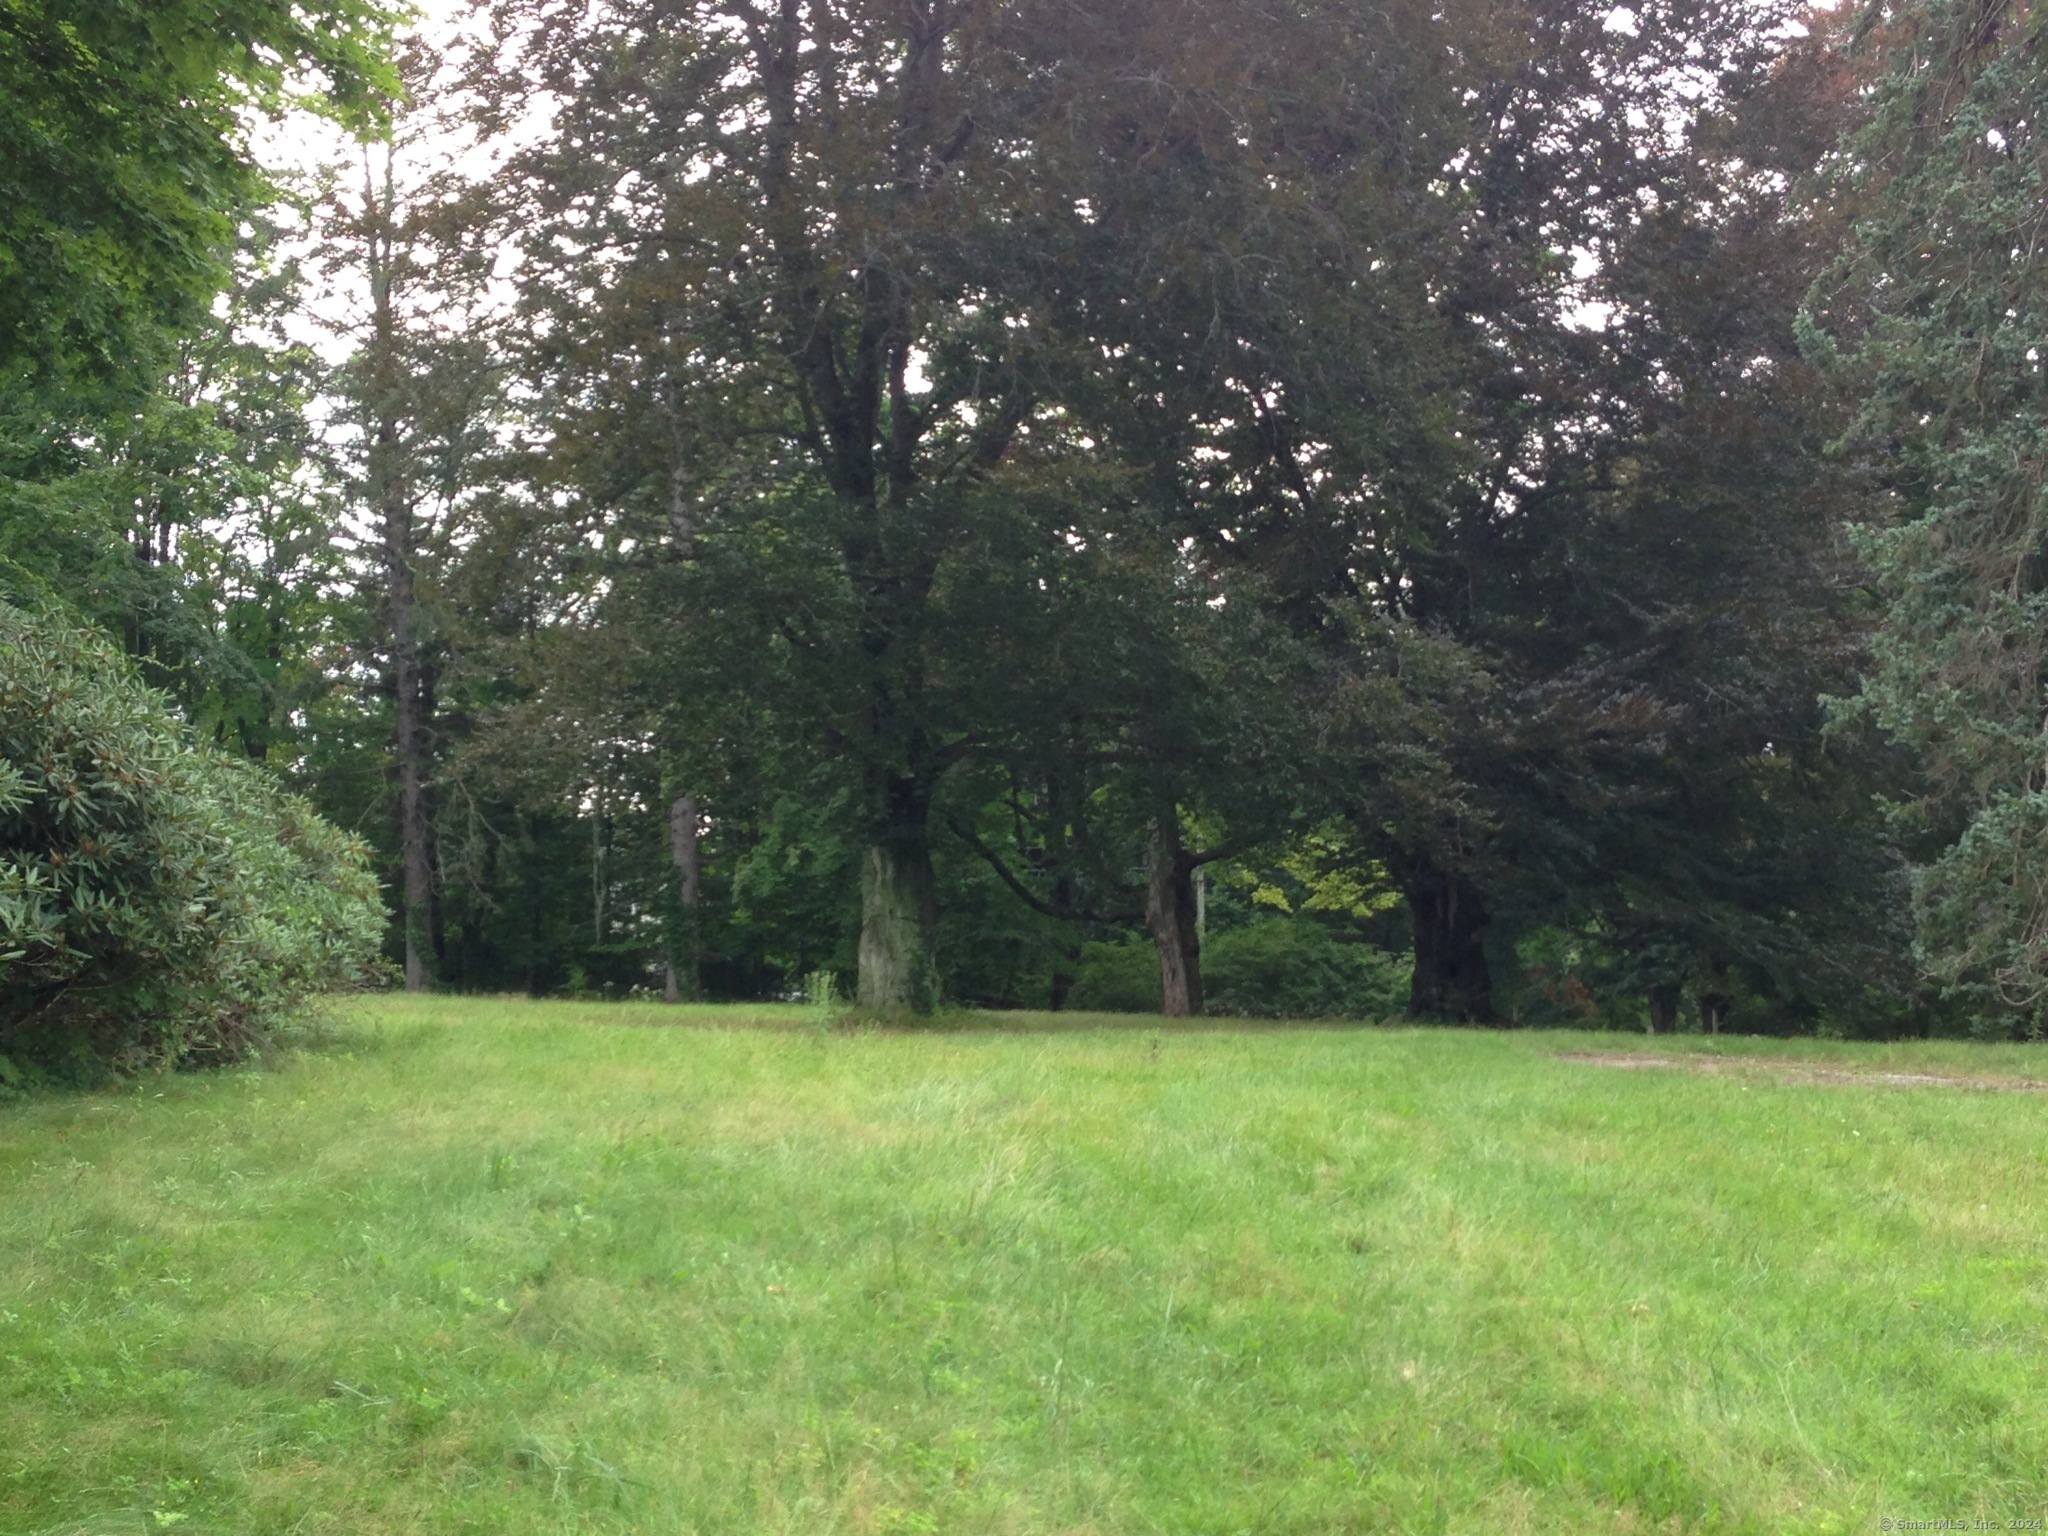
505	1267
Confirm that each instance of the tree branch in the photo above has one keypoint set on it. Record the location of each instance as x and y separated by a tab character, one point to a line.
1224	850
1023	892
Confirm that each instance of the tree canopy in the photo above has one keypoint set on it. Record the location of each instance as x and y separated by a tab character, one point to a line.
1031	503
1932	317
125	166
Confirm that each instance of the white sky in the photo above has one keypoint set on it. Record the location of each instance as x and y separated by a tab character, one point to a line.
299	147
303	144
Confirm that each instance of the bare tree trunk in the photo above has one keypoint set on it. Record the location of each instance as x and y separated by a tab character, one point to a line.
1714	1009
417	916
898	907
600	876
392	498
683	815
430	813
1450	980
414	703
683	811
1171	914
1715	1003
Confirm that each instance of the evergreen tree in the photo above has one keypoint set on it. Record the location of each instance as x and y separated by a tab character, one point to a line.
1935	321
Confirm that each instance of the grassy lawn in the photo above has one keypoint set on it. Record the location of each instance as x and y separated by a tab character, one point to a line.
509	1267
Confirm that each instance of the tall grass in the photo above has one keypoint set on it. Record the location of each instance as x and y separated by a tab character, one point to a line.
508	1267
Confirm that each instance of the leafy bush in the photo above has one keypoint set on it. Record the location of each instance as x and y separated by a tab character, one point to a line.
1294	968
1272	967
1116	978
159	901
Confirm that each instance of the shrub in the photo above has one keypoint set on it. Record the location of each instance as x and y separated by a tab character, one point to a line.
1116	978
1295	968
1272	967
159	902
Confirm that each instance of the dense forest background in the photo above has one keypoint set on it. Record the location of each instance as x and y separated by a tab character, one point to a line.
1498	509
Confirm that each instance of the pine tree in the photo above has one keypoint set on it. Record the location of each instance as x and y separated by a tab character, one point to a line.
1935	321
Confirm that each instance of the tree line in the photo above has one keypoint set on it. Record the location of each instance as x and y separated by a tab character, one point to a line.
1498	510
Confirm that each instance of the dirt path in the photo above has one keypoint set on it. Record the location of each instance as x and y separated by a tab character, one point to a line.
1799	1071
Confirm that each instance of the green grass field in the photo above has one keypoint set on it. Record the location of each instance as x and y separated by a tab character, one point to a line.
508	1267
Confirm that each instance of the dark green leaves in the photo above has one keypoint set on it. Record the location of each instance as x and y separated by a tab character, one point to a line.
157	901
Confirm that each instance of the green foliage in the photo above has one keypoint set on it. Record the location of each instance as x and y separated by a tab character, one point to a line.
1270	968
192	527
153	447
1241	460
898	479
1237	468
1295	968
124	168
1935	323
159	902
790	888
1662	597
1116	977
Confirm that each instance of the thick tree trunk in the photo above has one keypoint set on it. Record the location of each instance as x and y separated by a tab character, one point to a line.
898	908
1065	972
1066	960
1450	980
897	973
1663	998
1171	914
684	968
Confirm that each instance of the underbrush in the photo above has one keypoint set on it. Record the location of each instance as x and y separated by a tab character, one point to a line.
1270	968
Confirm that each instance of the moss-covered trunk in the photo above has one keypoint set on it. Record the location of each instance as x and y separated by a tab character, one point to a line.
899	971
